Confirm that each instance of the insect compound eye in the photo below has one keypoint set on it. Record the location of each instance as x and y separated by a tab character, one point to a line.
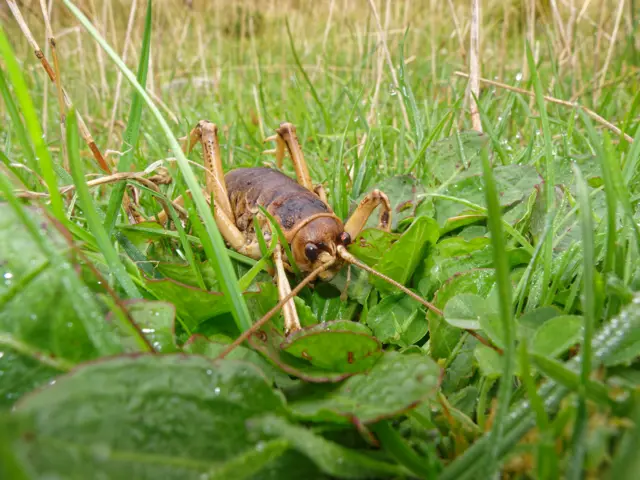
311	251
345	238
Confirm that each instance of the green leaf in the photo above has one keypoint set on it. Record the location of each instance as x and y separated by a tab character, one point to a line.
557	334
195	305
514	184
403	192
156	321
465	311
372	245
340	346
398	319
401	260
444	337
528	323
395	384
268	343
459	151
333	459
160	417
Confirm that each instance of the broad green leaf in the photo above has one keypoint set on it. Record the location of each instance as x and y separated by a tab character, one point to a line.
465	310
514	183
268	342
340	346
36	304
192	304
156	321
531	321
332	458
327	305
490	362
398	319
455	255
444	337
195	305
200	345
19	374
457	152
372	244
395	384
403	191
305	314
557	334
150	416
401	260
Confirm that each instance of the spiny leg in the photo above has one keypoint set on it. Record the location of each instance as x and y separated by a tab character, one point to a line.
287	141
207	134
359	217
291	320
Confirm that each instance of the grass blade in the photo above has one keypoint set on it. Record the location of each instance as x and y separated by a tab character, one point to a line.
218	256
327	119
501	265
92	216
16	122
21	90
575	469
549	177
131	133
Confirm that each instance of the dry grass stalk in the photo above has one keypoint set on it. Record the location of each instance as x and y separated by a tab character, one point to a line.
392	70
47	67
612	43
557	101
474	65
127	40
58	80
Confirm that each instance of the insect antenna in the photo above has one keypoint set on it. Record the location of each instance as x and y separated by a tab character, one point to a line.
256	326
348	257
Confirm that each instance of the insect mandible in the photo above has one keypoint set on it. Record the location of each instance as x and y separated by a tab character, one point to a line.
317	237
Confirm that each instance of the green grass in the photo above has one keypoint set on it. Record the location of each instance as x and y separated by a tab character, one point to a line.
527	234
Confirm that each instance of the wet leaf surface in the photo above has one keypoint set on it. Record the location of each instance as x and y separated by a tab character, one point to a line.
339	346
148	416
395	384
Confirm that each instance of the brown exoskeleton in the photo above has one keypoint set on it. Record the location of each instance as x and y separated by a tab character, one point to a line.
318	238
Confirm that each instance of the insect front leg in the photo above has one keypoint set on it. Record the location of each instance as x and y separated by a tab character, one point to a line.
287	141
291	320
361	214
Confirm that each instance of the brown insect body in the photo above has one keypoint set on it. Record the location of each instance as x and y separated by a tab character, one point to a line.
308	223
317	237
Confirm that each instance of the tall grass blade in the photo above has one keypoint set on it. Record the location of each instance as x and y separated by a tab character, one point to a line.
327	119
16	123
575	469
14	71
92	216
494	220
218	256
131	133
549	177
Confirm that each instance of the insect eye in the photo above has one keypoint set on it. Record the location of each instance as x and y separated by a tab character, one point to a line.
345	238
311	251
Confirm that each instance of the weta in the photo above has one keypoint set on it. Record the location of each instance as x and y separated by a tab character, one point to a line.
317	237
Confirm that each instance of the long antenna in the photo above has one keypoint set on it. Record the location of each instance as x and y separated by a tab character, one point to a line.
345	255
256	326
348	257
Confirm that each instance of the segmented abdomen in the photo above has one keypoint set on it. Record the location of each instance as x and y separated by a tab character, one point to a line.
288	201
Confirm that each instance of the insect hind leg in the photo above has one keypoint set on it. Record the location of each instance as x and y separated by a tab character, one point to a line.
206	133
361	214
287	141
